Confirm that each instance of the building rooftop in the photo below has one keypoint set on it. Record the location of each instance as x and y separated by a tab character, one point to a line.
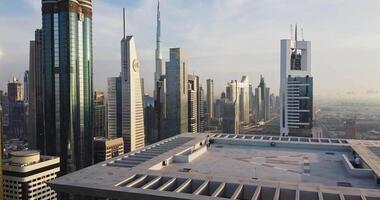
27	161
235	167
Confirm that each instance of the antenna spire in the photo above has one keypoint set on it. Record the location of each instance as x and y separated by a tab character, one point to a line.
158	32
291	31
124	23
296	33
302	34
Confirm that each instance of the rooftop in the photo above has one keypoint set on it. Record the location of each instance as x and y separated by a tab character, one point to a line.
234	167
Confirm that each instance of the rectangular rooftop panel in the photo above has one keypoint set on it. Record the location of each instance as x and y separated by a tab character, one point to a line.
307	195
228	190
129	180
330	196
158	182
286	194
210	188
246	192
172	186
352	197
267	193
372	198
193	185
149	152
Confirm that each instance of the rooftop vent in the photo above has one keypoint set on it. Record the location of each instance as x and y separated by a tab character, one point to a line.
343	184
185	170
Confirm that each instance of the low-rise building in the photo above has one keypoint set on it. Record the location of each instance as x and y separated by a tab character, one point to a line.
235	166
107	148
26	173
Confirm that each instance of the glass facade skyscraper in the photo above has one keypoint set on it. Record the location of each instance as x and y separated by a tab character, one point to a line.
67	68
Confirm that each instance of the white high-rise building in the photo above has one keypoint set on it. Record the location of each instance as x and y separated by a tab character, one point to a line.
193	86
210	98
26	175
132	105
296	91
244	100
262	102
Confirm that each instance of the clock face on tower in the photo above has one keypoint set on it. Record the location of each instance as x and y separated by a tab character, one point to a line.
136	65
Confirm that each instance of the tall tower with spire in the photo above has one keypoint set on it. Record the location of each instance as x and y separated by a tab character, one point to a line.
296	90
132	106
158	72
159	85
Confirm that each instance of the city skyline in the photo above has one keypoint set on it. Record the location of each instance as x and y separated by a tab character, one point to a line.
206	56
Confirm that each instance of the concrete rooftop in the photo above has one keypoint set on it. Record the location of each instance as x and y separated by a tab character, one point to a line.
233	167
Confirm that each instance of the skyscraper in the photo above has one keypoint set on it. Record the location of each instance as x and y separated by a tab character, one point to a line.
251	98
36	106
1	152
232	92
231	121
99	114
159	85
16	109
244	100
114	107
262	101
193	88
296	90
132	103
14	90
150	120
177	91
158	72
26	86
210	99
201	119
68	84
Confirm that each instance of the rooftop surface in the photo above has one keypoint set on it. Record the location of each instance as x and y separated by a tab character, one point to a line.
234	167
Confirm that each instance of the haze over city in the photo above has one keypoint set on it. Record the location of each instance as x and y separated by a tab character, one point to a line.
224	39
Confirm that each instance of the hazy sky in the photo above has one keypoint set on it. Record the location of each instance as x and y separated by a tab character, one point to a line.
224	39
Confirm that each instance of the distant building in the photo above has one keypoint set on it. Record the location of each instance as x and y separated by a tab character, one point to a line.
26	86
114	107
1	151
26	175
201	118
210	98
99	114
296	90
251	99
177	93
15	90
262	102
193	87
351	128
160	107
231	121
5	106
151	133
16	110
244	100
132	100
107	148
36	134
